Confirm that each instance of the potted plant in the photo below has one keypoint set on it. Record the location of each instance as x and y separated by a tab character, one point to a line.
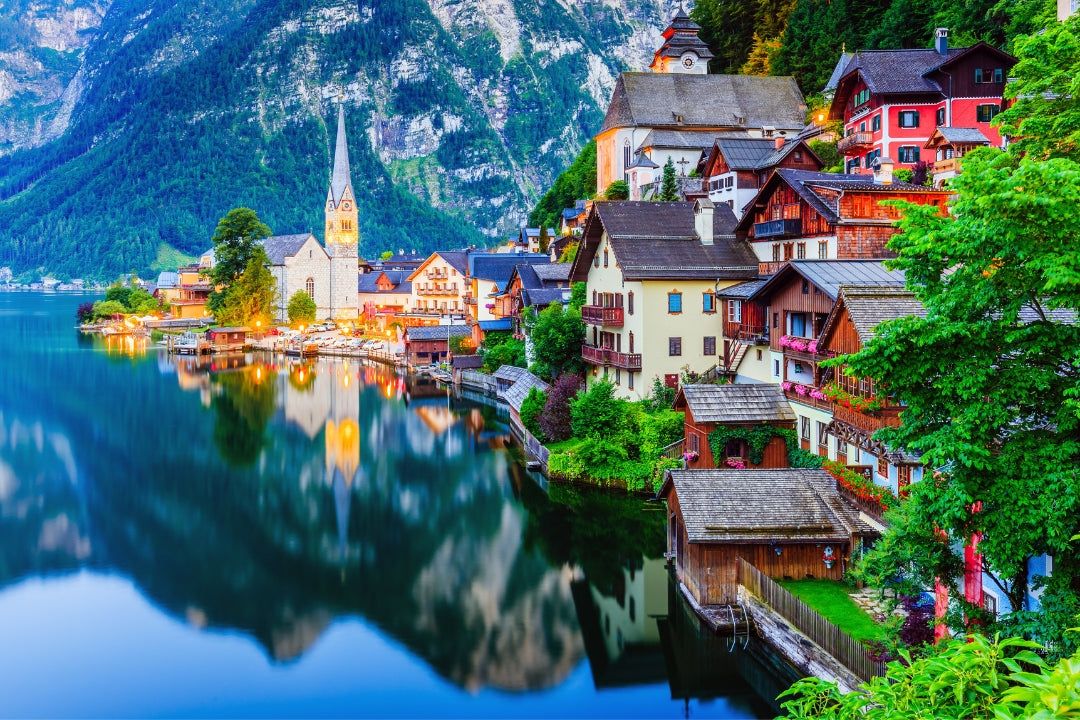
828	557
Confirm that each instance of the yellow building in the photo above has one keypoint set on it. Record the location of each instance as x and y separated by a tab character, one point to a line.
440	286
652	271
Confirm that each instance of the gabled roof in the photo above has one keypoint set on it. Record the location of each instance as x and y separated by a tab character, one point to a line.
436	332
399	278
511	373
736	404
776	157
457	259
740	291
517	392
166	280
656	240
869	306
704	101
542	297
838	72
552	272
280	247
829	275
761	506
498	267
956	136
679	139
743	153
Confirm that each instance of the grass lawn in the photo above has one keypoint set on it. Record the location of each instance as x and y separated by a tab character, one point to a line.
831	599
565	445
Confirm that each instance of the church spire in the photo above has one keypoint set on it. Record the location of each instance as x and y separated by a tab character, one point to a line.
340	179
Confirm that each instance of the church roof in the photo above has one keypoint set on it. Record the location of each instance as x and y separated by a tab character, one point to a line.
683	101
340	179
280	247
681	139
682	36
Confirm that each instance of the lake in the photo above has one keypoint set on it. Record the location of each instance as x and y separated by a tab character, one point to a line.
247	536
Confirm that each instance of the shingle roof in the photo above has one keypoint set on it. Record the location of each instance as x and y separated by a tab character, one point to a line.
741	291
830	275
737	403
899	71
542	297
511	373
280	247
467	362
436	332
963	135
870	306
457	259
368	282
838	72
759	506
682	139
517	392
715	101
552	272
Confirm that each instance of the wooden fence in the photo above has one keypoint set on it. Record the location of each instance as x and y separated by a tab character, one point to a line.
851	653
674	451
479	380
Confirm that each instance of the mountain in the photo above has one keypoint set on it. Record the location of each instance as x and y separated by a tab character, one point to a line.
128	128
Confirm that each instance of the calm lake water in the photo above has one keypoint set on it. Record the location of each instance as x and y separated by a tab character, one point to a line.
250	537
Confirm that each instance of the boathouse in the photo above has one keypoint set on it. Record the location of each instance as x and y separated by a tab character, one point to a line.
512	387
431	343
225	339
788	523
741	409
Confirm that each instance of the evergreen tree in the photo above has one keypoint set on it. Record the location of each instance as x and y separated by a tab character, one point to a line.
544	242
250	298
669	189
236	241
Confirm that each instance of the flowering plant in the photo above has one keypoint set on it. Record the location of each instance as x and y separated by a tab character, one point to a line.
799	344
817	394
800	389
737	464
858	403
859	486
785	385
828	556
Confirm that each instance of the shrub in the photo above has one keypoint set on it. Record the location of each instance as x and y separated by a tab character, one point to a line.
85	313
566	465
555	420
108	308
531	409
661	397
596	412
301	308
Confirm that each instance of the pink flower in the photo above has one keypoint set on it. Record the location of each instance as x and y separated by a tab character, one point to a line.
785	385
817	394
798	345
801	389
812	346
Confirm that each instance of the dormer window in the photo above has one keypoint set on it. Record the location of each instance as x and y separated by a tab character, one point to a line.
862	97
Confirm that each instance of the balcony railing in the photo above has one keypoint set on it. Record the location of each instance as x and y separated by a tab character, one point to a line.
808	400
868	422
778	228
437	290
754	334
603	356
603	316
470	300
855	143
948	165
437	274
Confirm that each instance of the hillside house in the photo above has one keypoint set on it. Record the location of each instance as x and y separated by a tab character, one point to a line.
890	101
742	406
652	271
788	523
439	287
383	295
734	169
949	145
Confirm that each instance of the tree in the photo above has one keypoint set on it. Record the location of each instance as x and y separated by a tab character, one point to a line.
107	309
991	380
759	61
596	412
301	308
532	408
618	190
555	420
236	241
120	294
577	182
250	298
557	335
544	240
578	295
669	189
386	255
965	679
569	252
831	160
501	348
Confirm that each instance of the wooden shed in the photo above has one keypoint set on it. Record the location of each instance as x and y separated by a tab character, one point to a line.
707	407
227	338
785	522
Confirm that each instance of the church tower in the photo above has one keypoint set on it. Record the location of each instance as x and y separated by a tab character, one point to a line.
683	51
342	233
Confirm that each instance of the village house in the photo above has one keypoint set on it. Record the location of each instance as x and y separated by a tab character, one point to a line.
949	146
800	215
734	169
426	344
890	101
533	287
679	96
788	523
652	271
383	294
488	277
573	219
739	408
440	286
193	289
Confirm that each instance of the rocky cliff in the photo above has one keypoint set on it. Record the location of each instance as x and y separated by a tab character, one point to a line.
128	128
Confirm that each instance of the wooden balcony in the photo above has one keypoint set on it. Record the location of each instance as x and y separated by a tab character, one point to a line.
949	165
807	400
855	143
868	422
778	229
603	356
470	300
871	508
437	274
443	290
602	316
753	334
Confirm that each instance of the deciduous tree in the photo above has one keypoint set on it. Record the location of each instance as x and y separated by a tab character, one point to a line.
557	335
301	308
236	240
250	298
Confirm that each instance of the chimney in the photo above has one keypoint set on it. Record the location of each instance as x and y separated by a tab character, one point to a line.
703	220
780	140
883	171
941	41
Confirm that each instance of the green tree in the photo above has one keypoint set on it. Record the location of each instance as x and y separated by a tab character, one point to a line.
569	252
236	241
669	189
108	308
501	348
119	293
544	241
577	182
142	302
831	160
596	412
532	407
991	378
557	335
386	255
301	308
618	190
578	295
250	298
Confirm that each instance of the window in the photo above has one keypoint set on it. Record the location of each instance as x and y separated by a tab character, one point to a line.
776	252
674	302
841	451
805	287
862	127
883	466
990	603
710	345
596	261
594	298
734	311
862	97
618	376
999	75
875	123
978	76
789	250
903	479
695	442
630	380
800	251
309	287
776	368
804	428
823	250
822	440
674	345
630	303
798	155
939	117
909	118
631	345
708	302
852	165
758	358
908	154
625	155
871	157
775	320
605	257
986	113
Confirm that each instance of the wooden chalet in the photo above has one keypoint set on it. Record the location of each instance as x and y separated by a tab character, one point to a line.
226	339
735	168
707	407
788	523
428	344
799	215
949	145
851	324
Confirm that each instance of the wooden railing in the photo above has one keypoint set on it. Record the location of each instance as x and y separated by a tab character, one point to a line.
436	290
603	316
849	652
604	356
778	228
854	142
947	165
753	333
807	400
871	508
675	450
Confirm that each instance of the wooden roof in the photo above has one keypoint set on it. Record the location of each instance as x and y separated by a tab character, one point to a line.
869	306
735	404
761	506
